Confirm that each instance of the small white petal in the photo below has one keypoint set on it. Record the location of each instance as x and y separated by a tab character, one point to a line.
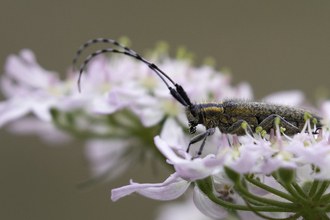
170	189
42	109
166	150
172	134
206	206
151	116
187	168
11	110
164	193
245	162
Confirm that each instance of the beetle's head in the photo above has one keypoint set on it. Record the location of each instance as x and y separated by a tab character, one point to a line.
193	117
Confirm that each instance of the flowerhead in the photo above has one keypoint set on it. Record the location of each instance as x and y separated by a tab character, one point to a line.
257	161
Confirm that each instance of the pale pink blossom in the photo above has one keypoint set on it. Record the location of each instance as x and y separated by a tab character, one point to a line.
188	168
172	188
31	89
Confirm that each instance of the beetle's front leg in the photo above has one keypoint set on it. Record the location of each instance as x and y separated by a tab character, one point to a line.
237	129
200	137
268	123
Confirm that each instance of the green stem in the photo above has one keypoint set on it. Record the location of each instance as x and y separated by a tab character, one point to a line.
276	178
256	203
295	194
324	216
322	189
313	188
326	198
206	186
271	190
324	209
289	188
247	194
246	208
299	190
294	217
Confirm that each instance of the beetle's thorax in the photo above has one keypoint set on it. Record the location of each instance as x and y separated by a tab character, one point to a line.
207	114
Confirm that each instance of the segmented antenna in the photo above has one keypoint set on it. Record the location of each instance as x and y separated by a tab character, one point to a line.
179	94
98	40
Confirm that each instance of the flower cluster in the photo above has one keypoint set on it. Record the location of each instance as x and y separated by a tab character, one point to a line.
124	106
279	176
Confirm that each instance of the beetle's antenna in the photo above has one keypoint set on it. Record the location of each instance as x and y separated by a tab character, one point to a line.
179	94
98	40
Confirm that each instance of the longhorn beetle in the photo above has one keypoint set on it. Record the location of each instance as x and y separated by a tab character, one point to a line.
227	115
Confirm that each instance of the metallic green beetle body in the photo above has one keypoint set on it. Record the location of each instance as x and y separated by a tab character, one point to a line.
225	114
229	115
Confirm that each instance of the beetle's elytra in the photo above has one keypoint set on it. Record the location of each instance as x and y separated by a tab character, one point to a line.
227	115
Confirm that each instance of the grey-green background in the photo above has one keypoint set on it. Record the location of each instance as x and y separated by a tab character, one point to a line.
273	45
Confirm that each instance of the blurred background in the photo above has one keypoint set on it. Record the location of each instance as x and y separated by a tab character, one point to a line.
273	45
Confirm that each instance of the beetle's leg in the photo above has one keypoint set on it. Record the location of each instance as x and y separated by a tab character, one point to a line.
268	123
236	128
200	137
316	131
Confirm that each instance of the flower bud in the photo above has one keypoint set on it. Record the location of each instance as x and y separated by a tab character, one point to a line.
285	175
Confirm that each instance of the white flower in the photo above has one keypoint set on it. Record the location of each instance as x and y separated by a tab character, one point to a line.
170	189
147	96
31	89
187	170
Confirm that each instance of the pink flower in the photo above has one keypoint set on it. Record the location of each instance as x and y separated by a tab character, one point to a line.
188	168
31	89
170	189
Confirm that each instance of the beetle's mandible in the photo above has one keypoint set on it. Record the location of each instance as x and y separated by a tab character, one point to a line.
227	115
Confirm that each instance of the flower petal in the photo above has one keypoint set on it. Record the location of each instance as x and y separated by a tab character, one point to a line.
187	168
11	110
206	206
170	189
172	134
